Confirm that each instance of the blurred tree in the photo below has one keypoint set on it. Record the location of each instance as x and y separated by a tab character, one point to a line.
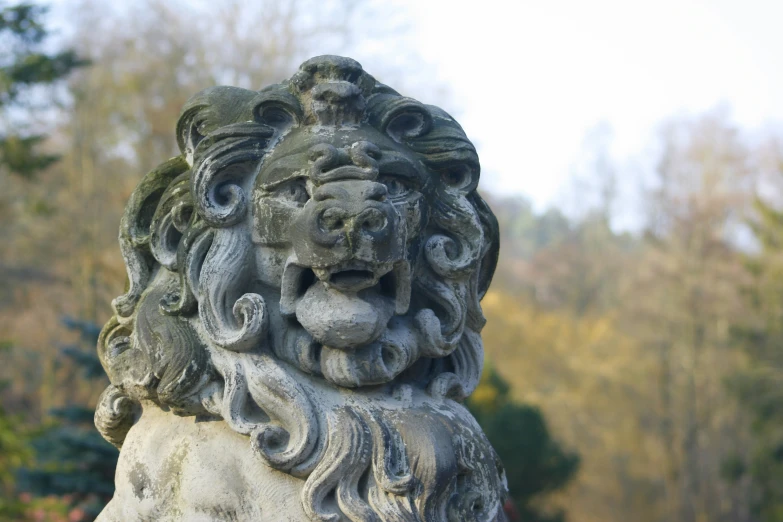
14	453
625	342
148	57
535	463
759	388
28	75
581	274
524	231
72	460
561	263
592	382
679	303
23	67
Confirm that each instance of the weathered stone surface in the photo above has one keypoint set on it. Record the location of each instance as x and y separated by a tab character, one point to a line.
302	315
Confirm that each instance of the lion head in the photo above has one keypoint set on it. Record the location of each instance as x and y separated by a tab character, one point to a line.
320	237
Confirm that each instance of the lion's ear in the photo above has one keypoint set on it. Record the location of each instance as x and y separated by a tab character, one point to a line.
401	118
209	110
277	108
188	134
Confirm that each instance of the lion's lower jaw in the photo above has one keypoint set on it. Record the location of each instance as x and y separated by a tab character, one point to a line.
335	321
354	339
372	458
378	362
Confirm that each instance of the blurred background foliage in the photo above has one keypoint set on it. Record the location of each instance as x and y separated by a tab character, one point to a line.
632	376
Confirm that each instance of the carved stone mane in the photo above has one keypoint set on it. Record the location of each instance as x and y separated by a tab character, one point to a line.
302	316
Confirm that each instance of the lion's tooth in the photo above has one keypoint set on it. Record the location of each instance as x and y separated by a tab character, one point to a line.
402	281
291	286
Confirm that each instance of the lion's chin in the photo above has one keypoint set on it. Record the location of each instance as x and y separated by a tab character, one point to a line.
344	320
355	314
345	307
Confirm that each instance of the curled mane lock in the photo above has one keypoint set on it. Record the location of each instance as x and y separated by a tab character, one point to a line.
221	162
262	400
229	253
135	232
456	252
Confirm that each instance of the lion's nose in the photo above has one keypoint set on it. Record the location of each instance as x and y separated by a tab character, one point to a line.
349	219
351	208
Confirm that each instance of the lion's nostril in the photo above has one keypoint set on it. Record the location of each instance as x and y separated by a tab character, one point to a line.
333	220
372	220
372	225
389	357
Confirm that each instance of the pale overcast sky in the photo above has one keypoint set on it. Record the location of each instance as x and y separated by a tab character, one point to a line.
530	79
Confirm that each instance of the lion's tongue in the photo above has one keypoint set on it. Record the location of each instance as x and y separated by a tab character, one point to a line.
343	320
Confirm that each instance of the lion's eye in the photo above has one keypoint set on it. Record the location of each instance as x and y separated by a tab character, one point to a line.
457	177
395	186
276	117
294	191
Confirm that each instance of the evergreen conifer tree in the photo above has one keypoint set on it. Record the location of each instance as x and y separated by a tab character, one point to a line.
759	387
72	460
24	67
535	463
14	452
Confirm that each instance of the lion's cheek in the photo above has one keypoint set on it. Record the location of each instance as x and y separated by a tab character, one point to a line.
271	221
270	263
414	215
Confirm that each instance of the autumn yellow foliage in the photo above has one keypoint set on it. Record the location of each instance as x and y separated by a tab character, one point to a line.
590	381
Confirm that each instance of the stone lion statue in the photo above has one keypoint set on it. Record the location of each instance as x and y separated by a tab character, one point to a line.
302	316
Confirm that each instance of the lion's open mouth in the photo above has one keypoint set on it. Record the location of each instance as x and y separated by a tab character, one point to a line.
354	276
352	280
345	306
